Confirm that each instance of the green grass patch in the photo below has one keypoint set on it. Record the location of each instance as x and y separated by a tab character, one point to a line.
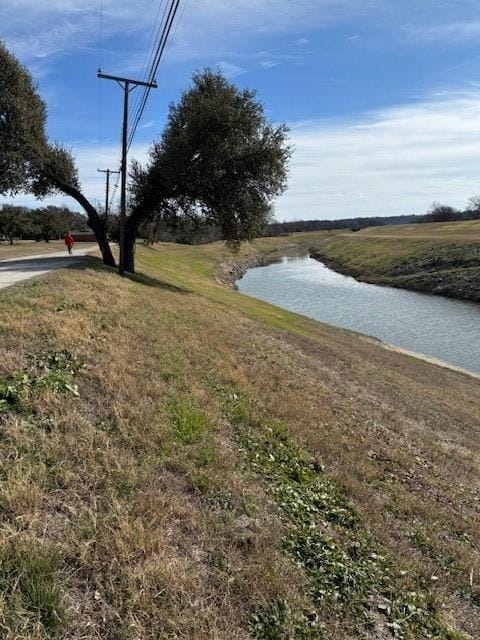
188	421
29	589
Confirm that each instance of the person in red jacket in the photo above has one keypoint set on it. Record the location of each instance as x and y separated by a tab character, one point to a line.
69	242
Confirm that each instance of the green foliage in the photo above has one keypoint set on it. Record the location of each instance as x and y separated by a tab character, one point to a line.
29	594
188	421
47	223
56	171
22	125
279	621
218	160
52	371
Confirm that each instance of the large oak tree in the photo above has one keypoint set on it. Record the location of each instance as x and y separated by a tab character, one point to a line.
218	160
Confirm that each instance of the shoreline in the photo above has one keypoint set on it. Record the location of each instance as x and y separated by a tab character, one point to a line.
419	356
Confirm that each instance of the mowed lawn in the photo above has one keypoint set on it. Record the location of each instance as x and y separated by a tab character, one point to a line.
181	461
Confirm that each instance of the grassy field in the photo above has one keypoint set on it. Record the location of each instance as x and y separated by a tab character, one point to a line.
180	461
22	248
441	258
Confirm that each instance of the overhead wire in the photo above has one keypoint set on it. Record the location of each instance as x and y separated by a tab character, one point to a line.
147	60
172	39
162	43
99	84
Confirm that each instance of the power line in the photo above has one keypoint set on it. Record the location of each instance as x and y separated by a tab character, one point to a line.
151	47
176	28
162	25
162	43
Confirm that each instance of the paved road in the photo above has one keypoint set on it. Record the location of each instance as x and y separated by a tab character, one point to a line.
15	270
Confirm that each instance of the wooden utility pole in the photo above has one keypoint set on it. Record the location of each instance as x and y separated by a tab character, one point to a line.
127	85
107	188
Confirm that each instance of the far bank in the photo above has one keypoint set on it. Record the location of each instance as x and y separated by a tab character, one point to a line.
440	258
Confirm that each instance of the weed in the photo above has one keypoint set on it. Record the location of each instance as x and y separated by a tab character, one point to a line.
28	586
421	542
188	421
51	371
278	621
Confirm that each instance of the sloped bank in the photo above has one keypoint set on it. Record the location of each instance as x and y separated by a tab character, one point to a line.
439	271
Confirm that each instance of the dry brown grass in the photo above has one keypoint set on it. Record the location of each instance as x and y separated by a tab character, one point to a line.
29	248
137	489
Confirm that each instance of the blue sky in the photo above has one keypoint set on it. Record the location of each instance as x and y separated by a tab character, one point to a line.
382	96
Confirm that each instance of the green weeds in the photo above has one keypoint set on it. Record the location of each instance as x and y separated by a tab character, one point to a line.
278	621
187	421
52	371
350	577
29	595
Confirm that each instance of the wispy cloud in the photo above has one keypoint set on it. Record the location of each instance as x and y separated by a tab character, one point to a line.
147	125
389	162
268	64
230	70
447	32
208	27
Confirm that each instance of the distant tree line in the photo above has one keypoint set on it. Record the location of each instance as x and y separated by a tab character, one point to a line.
437	213
47	223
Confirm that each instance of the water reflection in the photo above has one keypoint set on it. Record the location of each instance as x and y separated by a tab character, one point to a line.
439	327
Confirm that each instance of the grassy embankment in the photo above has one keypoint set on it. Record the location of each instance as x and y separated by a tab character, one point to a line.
181	461
440	258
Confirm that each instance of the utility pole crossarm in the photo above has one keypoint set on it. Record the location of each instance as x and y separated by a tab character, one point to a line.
138	83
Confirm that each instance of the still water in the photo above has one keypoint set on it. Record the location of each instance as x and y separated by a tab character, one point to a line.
438	327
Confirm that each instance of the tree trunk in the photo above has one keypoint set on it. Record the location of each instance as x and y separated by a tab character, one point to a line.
129	247
151	234
96	224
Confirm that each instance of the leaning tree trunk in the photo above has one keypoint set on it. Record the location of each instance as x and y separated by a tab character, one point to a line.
96	224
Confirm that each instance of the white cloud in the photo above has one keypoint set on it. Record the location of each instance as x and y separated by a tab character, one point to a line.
147	125
230	70
390	162
268	64
40	28
211	30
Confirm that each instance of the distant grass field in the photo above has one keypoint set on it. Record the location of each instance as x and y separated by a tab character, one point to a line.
181	461
29	248
440	258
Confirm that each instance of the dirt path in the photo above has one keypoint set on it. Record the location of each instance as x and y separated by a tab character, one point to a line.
16	270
